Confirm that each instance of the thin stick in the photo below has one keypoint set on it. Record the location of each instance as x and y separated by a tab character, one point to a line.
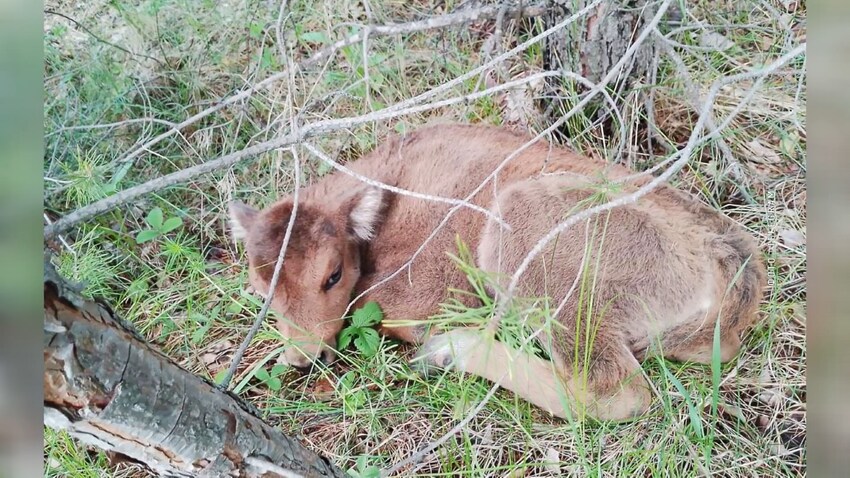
683	157
491	177
400	191
696	103
237	358
442	21
228	160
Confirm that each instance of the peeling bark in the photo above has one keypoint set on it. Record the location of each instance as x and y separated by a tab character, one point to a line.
109	388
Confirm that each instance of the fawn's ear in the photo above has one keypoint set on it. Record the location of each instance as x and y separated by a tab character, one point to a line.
364	212
242	216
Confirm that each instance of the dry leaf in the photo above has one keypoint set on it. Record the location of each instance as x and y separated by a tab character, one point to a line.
323	389
792	238
731	411
788	145
209	358
517	105
761	153
790	5
770	397
552	462
712	39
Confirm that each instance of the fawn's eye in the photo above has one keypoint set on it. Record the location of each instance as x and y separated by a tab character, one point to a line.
333	279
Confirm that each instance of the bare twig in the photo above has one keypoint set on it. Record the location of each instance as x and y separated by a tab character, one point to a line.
403	192
696	103
683	157
442	21
116	124
234	363
228	160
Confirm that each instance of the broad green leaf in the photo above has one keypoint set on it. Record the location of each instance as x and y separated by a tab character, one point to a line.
119	175
154	218
199	333
279	369
262	374
234	308
274	383
367	342
345	337
368	315
376	58
170	224
254	31
146	235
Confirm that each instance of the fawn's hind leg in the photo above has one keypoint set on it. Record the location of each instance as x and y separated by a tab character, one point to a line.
539	381
688	343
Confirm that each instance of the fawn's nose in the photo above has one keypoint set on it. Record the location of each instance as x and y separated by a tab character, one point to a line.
303	360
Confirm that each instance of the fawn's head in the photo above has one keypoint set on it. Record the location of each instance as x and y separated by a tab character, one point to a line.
321	265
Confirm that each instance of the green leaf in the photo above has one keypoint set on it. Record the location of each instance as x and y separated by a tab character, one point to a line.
376	58
254	31
219	376
345	337
262	374
146	235
371	472
199	333
170	224
279	369
315	37
274	383
154	218
368	315
119	175
234	308
367	342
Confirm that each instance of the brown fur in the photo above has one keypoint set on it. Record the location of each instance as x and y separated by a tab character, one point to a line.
662	268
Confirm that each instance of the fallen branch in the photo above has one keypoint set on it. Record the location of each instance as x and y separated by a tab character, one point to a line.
305	132
106	386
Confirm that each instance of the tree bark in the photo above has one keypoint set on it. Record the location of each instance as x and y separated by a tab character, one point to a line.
594	44
109	388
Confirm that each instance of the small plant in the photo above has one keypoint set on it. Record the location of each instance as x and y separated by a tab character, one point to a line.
271	379
158	227
361	330
363	470
353	396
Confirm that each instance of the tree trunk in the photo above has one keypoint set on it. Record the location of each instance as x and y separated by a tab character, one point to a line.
592	45
108	388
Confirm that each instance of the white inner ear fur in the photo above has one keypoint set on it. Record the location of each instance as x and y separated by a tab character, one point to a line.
364	214
240	217
236	230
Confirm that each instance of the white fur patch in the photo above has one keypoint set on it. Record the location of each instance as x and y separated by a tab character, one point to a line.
364	215
238	232
240	217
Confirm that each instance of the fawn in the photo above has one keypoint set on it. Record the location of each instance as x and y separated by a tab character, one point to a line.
665	268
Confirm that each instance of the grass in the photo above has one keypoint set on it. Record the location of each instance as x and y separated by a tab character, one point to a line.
184	287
